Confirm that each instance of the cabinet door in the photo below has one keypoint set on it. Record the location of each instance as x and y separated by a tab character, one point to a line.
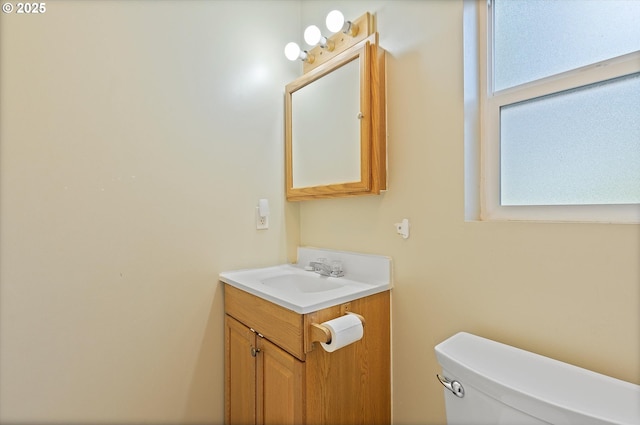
280	386
240	374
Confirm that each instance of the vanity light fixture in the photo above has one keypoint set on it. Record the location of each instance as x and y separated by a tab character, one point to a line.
344	35
292	51
335	22
313	37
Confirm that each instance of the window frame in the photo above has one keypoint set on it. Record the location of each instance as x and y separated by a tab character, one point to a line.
490	103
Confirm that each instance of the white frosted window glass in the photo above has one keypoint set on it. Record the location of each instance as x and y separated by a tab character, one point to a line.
534	39
580	146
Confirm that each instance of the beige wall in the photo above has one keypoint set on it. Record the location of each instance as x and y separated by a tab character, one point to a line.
569	291
136	139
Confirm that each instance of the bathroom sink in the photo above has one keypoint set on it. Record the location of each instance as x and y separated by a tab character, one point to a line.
293	287
301	283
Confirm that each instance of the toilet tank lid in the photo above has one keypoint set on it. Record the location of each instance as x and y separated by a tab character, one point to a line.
498	369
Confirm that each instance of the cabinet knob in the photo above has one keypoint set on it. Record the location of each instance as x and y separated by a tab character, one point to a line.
254	351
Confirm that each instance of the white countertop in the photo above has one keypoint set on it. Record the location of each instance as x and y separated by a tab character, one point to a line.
294	288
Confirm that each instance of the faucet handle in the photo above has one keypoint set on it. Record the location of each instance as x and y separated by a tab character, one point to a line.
336	268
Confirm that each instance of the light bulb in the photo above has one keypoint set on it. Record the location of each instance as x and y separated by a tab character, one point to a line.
335	21
292	51
312	35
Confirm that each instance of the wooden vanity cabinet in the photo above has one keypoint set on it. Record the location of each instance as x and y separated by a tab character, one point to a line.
274	373
240	400
267	381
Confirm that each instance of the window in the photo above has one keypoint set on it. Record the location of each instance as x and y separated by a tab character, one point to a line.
559	88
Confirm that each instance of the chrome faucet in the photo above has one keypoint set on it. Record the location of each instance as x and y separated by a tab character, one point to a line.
325	269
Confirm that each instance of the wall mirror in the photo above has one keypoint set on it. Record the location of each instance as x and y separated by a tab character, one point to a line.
335	126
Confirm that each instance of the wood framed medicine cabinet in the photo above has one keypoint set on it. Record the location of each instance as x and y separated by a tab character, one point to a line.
335	125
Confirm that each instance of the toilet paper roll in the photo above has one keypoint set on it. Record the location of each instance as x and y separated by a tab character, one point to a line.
344	330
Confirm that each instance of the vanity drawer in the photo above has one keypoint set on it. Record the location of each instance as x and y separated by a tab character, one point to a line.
279	325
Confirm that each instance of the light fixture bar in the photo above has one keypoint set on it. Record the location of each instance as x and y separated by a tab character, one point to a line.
362	27
327	47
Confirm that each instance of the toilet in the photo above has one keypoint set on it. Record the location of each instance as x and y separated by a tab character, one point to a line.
486	382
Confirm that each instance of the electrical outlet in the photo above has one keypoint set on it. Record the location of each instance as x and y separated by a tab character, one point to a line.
262	223
403	228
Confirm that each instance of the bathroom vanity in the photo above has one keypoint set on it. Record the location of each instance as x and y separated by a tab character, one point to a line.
276	370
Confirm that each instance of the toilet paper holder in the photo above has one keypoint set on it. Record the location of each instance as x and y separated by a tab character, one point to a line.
320	333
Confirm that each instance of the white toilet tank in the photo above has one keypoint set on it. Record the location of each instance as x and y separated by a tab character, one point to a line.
493	383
